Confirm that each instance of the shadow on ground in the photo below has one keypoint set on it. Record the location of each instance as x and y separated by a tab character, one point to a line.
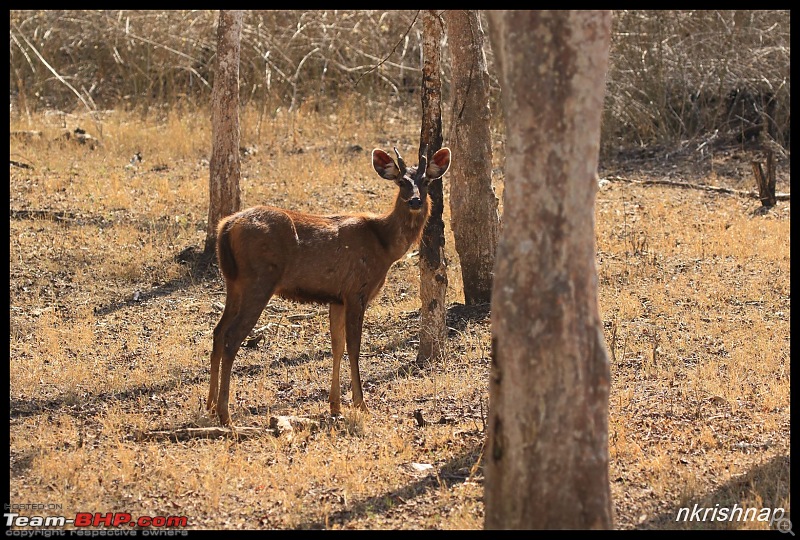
768	483
457	470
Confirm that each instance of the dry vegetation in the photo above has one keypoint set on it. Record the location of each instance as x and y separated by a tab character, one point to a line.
110	338
679	77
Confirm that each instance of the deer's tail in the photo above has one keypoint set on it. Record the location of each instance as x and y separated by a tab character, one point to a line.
225	255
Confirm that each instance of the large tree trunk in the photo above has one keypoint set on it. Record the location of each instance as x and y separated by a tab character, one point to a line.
225	198
473	204
432	263
547	449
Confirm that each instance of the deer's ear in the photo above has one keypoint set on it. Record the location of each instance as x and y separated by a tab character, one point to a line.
438	164
384	165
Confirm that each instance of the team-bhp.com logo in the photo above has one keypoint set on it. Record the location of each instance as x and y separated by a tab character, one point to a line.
88	519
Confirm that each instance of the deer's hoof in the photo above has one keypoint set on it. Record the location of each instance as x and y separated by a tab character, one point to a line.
362	407
336	406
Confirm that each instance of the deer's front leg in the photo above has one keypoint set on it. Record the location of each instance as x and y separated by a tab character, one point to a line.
337	321
354	322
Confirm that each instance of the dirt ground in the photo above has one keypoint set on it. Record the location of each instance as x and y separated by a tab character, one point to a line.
111	321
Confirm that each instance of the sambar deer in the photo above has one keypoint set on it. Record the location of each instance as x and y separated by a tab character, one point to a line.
341	260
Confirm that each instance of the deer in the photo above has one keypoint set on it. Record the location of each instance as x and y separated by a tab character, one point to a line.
340	259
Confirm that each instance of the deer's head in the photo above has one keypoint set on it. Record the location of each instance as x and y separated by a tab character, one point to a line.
412	181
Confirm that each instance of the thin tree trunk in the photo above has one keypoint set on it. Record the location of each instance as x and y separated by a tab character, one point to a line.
432	263
473	204
225	198
547	448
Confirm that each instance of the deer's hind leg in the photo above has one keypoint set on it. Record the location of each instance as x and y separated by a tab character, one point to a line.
232	304
252	300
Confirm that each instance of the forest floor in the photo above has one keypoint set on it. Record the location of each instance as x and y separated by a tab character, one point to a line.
111	324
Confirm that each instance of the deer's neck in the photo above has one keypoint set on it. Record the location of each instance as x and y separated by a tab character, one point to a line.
401	228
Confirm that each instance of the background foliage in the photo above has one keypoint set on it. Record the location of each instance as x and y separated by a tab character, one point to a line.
675	76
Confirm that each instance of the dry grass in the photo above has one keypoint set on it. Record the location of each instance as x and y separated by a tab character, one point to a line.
110	336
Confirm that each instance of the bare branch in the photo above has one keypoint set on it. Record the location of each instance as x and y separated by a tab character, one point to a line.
379	64
65	82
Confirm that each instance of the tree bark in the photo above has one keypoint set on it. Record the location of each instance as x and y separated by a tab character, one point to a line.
473	204
432	263
766	182
225	197
547	449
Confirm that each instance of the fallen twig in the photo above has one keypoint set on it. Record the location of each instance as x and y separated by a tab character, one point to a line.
55	215
674	183
214	432
20	164
27	135
278	425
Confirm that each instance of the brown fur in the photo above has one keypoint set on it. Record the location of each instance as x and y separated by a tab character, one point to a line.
341	260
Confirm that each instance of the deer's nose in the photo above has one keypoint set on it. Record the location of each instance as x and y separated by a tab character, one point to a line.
415	203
